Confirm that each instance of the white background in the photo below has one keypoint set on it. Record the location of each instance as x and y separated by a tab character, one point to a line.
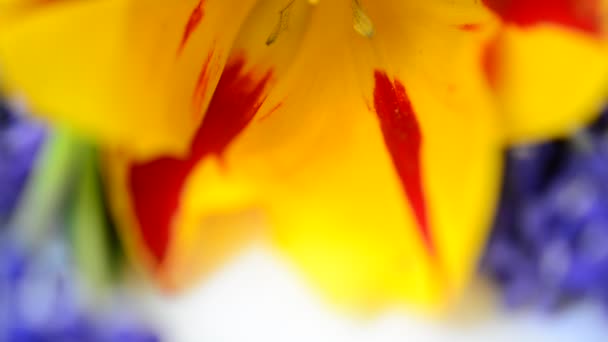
257	297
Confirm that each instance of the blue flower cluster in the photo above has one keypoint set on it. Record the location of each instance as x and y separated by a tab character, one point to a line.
550	240
40	301
42	298
19	141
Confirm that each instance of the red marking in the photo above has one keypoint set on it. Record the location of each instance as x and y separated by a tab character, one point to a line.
156	186
202	85
403	139
271	111
490	63
195	19
583	15
470	27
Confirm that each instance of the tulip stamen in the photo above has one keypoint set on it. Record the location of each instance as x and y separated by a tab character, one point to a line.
283	23
361	21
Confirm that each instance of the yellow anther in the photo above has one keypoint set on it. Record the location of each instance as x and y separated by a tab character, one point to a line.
283	23
361	21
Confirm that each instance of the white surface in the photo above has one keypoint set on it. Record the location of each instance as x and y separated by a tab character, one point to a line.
257	298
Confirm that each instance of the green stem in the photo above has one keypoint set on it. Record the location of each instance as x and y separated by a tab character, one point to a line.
47	190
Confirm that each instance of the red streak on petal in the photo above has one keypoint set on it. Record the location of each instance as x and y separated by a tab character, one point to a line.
156	186
202	85
584	15
470	27
490	63
270	112
195	19
403	139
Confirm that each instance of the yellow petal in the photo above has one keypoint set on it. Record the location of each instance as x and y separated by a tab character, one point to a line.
548	65
156	200
370	218
177	225
340	199
111	68
549	81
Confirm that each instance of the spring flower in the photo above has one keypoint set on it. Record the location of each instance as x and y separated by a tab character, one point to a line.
549	245
20	140
367	135
41	300
51	290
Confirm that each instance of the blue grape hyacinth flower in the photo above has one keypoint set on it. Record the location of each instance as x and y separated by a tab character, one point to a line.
45	294
550	240
40	301
20	140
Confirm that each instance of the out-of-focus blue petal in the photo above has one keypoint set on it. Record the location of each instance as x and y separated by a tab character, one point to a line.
42	298
40	301
20	140
550	238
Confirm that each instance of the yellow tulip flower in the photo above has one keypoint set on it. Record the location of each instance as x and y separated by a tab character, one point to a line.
367	136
